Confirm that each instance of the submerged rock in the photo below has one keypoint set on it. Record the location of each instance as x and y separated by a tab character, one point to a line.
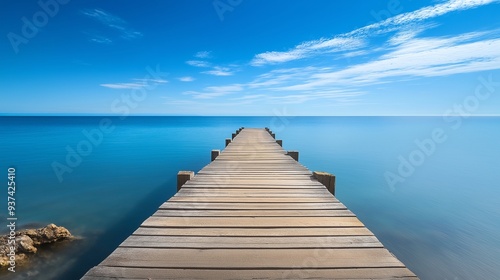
48	234
26	242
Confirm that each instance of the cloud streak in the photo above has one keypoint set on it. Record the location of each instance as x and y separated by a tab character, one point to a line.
418	57
355	39
203	54
186	79
135	84
219	71
215	91
112	22
199	63
306	49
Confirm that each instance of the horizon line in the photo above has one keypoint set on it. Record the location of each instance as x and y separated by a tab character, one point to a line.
239	116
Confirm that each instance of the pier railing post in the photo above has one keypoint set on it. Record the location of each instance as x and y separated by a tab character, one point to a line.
273	135
327	179
280	142
215	154
183	177
228	141
293	154
233	135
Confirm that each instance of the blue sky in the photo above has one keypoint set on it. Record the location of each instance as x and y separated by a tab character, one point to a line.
250	57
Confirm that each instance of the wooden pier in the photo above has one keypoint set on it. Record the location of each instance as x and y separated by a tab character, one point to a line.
254	212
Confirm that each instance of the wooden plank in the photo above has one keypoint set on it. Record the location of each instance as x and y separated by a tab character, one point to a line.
232	181
252	187
254	213
267	176
261	172
251	206
250	258
310	231
208	199
266	191
256	165
251	165
203	242
242	193
227	274
236	160
252	222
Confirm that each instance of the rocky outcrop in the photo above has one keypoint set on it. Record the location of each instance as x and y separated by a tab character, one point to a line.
27	242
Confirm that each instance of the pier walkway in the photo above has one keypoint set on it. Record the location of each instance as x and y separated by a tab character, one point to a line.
254	212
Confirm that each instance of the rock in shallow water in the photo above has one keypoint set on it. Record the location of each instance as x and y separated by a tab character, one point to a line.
48	234
27	240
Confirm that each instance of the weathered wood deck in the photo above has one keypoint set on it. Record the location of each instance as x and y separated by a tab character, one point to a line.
253	213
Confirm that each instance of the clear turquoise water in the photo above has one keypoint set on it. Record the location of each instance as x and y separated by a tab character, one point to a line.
443	221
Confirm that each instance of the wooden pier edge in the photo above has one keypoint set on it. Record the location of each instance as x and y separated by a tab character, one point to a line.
254	212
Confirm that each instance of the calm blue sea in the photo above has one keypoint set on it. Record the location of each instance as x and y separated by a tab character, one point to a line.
439	213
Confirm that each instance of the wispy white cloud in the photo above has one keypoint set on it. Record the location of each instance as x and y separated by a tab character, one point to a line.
113	22
280	77
341	96
403	56
419	57
306	49
355	39
422	14
186	79
136	84
123	85
229	88
203	54
220	71
215	91
199	63
100	39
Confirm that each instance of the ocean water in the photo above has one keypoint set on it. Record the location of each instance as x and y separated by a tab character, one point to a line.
429	188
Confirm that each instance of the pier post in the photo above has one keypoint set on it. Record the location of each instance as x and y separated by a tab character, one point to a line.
183	177
228	141
215	154
273	135
327	179
280	142
293	154
233	135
